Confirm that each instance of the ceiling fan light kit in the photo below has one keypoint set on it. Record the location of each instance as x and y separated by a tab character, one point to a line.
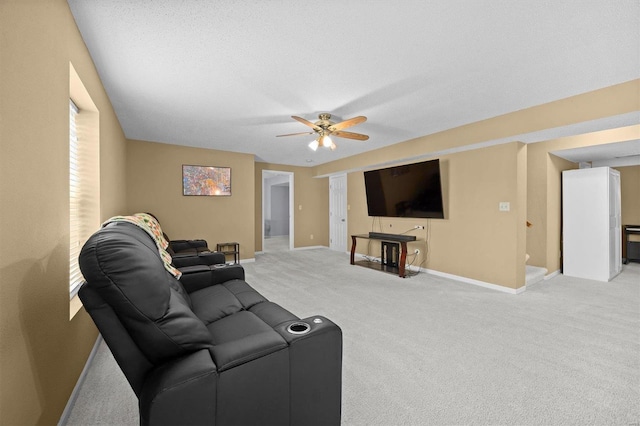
325	127
324	141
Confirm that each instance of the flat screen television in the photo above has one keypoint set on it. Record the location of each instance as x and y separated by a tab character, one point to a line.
411	190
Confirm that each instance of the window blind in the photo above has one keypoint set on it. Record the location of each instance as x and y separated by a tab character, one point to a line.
75	276
84	191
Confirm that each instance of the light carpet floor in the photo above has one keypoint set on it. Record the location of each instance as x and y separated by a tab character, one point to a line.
427	350
277	243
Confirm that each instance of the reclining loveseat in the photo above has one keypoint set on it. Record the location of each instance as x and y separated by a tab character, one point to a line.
184	247
206	349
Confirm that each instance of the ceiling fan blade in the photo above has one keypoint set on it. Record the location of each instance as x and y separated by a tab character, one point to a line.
350	135
307	123
296	134
348	123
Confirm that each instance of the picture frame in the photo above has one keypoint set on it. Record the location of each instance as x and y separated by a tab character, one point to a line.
209	181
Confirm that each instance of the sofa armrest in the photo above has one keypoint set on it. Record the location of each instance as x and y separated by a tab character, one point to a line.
223	273
212	258
197	277
231	354
315	371
181	391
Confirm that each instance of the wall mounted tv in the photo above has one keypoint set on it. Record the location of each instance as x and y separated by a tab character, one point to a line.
411	190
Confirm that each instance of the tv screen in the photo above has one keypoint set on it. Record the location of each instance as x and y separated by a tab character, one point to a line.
412	190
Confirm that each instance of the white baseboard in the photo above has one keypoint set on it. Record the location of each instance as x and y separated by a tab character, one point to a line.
64	418
309	247
552	274
251	259
459	278
298	248
477	282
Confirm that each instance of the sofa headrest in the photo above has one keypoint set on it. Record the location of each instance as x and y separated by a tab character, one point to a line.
122	264
150	225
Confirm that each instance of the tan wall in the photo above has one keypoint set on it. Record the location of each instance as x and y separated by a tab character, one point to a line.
537	205
154	177
543	206
630	194
543	191
475	240
42	352
553	249
311	205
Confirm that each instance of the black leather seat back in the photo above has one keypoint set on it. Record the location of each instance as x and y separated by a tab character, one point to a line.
122	266
130	358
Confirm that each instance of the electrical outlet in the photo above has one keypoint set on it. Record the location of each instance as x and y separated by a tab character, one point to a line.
419	227
417	251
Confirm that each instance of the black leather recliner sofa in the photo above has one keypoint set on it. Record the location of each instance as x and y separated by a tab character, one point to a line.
211	350
210	258
187	246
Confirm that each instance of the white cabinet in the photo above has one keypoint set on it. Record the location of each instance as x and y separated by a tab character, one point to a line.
591	229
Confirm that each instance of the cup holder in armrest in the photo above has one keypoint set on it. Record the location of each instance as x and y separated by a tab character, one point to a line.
298	328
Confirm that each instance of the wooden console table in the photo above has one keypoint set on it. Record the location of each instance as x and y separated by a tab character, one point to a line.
230	249
400	269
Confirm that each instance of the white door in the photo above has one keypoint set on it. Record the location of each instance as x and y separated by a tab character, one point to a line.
338	212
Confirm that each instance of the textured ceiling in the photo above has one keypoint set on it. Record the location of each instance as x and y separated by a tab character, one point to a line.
228	74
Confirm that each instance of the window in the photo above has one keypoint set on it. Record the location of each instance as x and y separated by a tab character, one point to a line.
75	276
84	178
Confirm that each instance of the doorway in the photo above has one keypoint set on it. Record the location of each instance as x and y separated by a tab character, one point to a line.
277	211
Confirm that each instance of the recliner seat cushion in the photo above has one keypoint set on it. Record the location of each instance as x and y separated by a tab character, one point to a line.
242	337
244	293
272	314
213	303
256	303
122	264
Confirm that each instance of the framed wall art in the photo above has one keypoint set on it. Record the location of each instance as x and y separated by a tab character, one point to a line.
208	181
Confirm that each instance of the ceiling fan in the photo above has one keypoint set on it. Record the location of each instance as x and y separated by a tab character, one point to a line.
325	128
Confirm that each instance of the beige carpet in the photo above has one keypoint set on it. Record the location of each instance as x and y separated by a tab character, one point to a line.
431	351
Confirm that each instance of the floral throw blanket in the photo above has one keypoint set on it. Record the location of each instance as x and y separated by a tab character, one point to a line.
151	226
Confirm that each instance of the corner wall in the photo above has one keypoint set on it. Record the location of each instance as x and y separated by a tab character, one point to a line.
42	352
